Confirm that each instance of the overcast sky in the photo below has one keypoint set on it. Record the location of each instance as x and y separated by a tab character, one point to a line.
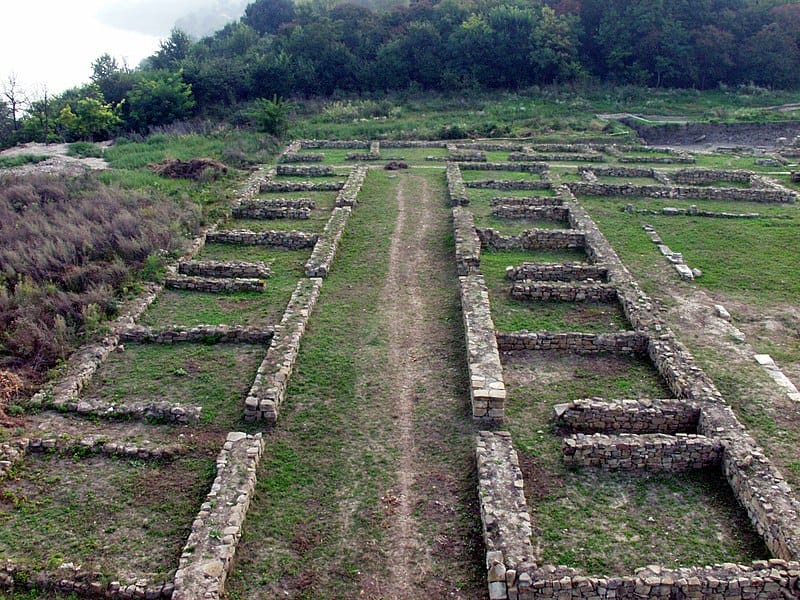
54	42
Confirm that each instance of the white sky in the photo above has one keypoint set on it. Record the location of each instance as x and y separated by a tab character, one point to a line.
54	42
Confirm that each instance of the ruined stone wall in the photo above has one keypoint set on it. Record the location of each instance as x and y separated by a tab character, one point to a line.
305	171
533	239
487	389
600	415
455	186
646	452
333	144
294	157
268	391
537	168
349	193
208	554
687	193
557	272
468	245
267	212
526	201
703	176
492	184
300	186
205	334
212	284
556	157
563	291
628	343
227	269
321	260
548	213
290	240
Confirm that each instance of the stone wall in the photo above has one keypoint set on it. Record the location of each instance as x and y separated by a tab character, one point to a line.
642	452
687	193
321	260
526	201
204	334
487	389
349	193
455	186
548	213
333	144
626	343
295	157
537	168
213	285
208	554
272	203
289	240
269	387
533	239
305	171
557	272
492	184
468	245
598	415
270	212
703	176
556	157
227	269
300	186
563	291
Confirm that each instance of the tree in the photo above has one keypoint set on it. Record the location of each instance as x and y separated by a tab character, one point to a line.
88	119
171	51
271	116
266	16
104	67
159	98
14	96
6	126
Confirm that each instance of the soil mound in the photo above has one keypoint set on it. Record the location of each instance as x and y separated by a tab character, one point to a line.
198	169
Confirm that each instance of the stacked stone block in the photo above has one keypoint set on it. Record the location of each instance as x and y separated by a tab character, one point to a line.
305	171
295	157
300	186
204	334
225	269
468	245
348	195
547	213
212	284
625	343
288	240
533	239
321	260
455	186
597	415
532	271
564	291
527	201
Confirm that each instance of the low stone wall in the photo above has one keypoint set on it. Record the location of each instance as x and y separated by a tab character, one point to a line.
100	444
538	168
563	291
598	415
213	285
686	193
204	334
333	144
363	156
155	410
270	212
764	580
702	176
692	211
290	240
461	154
227	269
300	186
548	213
208	554
557	272
321	260
413	144
491	146
468	245
348	195
487	388
627	343
455	186
272	203
555	157
305	171
295	157
647	452
269	387
615	171
533	239
504	510
492	184
526	201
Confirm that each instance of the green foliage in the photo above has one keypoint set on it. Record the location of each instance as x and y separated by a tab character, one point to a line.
9	162
88	119
84	150
159	98
271	116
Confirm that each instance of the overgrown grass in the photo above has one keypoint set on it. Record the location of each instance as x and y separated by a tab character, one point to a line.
126	519
84	150
215	377
9	162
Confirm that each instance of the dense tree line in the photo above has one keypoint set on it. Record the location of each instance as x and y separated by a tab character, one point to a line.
282	49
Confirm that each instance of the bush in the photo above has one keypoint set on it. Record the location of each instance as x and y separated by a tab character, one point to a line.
84	150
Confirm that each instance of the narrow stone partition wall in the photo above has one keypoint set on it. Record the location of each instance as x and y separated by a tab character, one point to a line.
564	291
229	269
204	334
533	239
455	186
208	554
348	195
294	157
213	284
494	184
487	388
291	240
772	195
538	168
324	252
597	415
268	211
305	171
531	201
626	343
468	245
300	186
655	452
547	213
269	388
557	272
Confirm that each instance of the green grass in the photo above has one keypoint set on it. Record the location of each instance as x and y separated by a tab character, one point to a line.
85	150
9	162
482	212
215	377
744	258
498	260
126	519
482	197
470	175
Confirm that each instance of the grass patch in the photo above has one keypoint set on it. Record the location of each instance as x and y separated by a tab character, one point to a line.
126	519
84	150
9	162
471	175
482	197
216	377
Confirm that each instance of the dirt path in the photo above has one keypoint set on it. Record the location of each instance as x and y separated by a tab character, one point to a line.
421	377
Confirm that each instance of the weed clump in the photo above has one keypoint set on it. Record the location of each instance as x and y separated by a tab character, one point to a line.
197	169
